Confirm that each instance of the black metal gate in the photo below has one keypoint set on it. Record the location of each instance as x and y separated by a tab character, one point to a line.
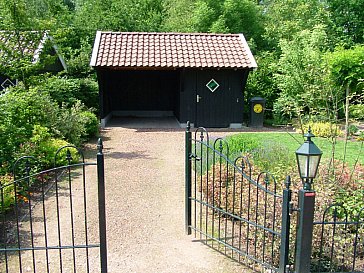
244	218
52	220
250	219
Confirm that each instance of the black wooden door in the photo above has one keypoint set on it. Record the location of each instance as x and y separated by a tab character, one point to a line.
212	99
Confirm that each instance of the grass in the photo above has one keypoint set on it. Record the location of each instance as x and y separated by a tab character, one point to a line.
292	141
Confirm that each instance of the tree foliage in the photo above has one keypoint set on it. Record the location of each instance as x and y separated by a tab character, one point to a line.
222	16
299	73
281	34
348	19
286	18
347	67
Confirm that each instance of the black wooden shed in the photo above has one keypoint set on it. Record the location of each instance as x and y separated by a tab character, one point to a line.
195	77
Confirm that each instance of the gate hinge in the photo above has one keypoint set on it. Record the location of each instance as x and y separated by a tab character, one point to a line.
194	156
291	209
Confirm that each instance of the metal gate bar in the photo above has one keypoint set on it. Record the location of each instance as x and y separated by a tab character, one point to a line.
45	216
230	211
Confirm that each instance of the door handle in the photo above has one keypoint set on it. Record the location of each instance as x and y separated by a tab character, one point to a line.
198	98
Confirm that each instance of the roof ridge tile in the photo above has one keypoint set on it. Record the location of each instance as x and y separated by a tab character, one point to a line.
162	49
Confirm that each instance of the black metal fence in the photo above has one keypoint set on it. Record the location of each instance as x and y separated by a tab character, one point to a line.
54	220
338	243
252	218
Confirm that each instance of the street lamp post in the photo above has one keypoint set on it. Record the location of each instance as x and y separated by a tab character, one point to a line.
308	159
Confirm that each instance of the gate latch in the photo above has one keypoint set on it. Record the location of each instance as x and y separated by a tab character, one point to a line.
195	157
291	208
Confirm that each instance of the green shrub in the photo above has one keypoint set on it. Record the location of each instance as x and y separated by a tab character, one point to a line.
48	148
68	91
76	124
43	147
352	129
273	157
356	111
91	124
20	110
349	185
322	129
30	117
242	143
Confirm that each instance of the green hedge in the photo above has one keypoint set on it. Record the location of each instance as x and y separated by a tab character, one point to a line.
31	118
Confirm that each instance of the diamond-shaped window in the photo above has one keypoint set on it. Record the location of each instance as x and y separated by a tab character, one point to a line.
7	83
212	85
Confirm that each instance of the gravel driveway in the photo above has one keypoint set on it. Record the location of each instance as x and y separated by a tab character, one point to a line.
145	205
144	177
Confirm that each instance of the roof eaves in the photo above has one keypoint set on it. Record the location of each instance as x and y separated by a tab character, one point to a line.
250	55
55	47
95	49
40	47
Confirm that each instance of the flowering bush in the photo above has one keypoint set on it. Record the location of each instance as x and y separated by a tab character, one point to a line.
322	129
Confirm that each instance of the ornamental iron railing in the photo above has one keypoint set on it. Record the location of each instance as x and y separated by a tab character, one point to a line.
250	217
229	210
54	220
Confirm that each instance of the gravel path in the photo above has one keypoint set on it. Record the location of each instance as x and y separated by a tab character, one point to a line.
145	206
144	177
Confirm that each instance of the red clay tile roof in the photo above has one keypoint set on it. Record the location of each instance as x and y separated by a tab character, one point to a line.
171	50
27	43
24	44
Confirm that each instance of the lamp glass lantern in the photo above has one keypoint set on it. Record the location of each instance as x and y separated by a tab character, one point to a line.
308	160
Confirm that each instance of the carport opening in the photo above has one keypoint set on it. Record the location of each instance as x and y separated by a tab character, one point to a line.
143	93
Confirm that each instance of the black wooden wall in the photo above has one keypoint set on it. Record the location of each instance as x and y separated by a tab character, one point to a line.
215	109
148	90
176	91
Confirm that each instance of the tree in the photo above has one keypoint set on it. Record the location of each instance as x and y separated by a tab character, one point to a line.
261	82
286	18
178	15
113	15
300	74
347	69
348	19
137	15
222	16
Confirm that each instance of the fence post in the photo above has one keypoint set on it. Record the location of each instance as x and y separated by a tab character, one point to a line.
102	213
188	190
306	208
286	224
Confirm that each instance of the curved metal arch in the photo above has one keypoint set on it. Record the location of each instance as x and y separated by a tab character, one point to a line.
334	223
203	131
16	163
326	211
265	188
221	141
245	162
266	175
79	151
